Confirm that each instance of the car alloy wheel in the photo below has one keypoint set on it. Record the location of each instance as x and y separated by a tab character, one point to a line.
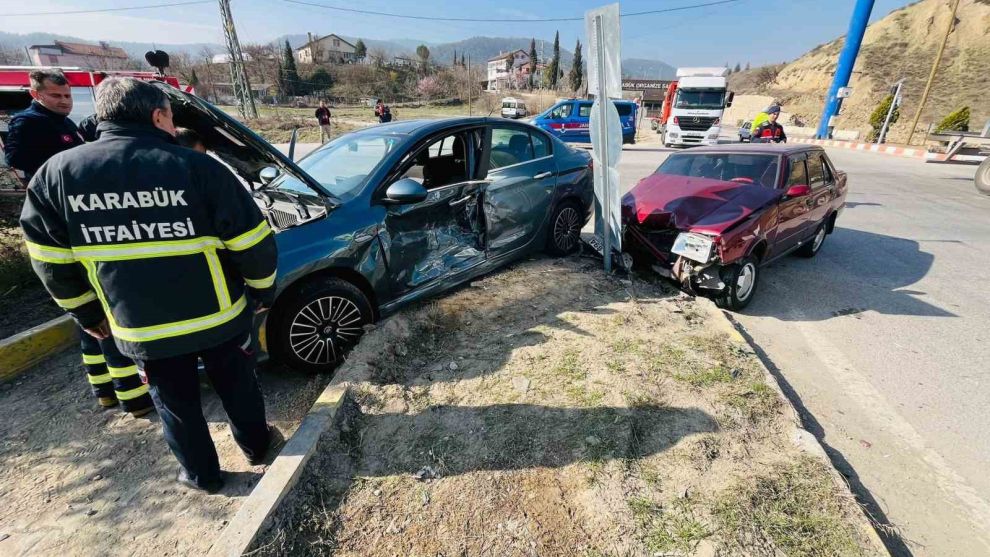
566	229
324	329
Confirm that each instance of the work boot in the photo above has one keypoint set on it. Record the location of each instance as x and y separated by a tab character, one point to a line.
275	442
208	487
140	413
107	401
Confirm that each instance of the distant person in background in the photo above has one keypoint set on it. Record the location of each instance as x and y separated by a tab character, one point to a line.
323	117
190	139
762	117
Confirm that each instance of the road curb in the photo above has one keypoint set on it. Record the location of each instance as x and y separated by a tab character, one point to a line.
25	349
801	437
256	512
895	150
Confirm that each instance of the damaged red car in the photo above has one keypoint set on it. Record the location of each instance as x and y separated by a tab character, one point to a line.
711	217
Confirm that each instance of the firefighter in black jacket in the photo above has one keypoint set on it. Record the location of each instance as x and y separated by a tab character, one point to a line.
770	131
162	247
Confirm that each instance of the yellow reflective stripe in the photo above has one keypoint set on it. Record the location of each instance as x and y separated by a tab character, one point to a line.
72	303
95	283
261	283
99	379
121	372
132	393
178	328
219	282
94	359
49	254
142	250
249	238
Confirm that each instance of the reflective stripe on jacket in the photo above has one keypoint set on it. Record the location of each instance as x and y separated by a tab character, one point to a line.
162	241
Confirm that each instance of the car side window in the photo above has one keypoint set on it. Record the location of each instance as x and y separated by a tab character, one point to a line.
584	110
541	145
816	174
441	163
510	146
560	112
827	166
798	173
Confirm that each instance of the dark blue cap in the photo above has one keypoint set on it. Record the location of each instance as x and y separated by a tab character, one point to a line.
773	110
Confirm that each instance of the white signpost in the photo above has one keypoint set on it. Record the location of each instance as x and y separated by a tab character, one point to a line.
605	83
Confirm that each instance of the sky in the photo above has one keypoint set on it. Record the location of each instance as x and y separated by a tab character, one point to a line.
754	31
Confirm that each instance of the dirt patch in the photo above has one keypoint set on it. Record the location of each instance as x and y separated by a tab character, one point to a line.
77	480
546	410
24	303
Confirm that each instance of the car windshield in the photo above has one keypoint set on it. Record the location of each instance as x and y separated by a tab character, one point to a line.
343	165
742	168
700	98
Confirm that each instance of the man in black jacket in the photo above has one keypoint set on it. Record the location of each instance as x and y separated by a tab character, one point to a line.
44	128
162	247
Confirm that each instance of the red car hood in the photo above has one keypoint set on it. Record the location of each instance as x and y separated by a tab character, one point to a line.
692	204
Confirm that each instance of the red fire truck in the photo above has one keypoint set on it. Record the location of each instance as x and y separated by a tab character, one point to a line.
14	97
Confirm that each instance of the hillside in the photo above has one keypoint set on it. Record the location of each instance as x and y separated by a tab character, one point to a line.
901	45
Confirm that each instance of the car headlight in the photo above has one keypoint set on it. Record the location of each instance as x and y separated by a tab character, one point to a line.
695	247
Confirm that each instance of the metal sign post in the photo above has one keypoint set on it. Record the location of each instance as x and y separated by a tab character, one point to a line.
604	82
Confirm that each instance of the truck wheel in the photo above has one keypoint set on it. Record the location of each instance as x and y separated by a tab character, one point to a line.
811	248
983	177
319	324
742	279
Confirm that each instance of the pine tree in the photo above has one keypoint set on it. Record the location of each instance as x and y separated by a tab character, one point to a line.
747	65
463	63
577	69
553	70
193	78
291	72
737	69
455	58
532	62
360	50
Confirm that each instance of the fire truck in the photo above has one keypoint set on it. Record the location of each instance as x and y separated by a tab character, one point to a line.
14	97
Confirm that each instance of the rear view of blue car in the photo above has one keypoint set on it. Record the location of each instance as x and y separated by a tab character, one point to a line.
569	120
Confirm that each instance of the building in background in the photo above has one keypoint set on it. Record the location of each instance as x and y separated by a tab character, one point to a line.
329	49
91	56
509	70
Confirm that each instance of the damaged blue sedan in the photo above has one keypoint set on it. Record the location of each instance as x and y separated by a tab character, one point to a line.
394	213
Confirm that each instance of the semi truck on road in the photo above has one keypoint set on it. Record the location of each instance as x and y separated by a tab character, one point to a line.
693	107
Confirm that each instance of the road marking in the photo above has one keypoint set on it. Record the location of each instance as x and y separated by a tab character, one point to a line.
974	508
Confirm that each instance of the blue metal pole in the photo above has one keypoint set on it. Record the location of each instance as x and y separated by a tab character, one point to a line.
854	37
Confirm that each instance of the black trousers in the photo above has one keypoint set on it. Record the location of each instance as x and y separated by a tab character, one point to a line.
175	389
111	374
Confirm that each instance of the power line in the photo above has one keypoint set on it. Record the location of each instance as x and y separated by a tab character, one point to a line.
104	10
507	20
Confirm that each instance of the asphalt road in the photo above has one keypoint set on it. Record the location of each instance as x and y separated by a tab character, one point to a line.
882	343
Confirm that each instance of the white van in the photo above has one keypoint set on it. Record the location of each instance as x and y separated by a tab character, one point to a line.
513	108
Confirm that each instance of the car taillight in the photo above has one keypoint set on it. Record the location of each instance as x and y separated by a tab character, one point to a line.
676	121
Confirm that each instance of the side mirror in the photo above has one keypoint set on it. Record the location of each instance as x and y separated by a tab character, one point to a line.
799	190
405	191
268	174
728	100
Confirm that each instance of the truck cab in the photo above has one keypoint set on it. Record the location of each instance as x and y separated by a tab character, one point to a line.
696	110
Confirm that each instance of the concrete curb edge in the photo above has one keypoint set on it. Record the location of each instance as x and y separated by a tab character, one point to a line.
895	150
25	349
257	510
801	437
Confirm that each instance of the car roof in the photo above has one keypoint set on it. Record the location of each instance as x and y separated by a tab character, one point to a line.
757	148
411	127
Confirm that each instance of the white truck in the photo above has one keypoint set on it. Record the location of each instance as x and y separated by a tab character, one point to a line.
700	98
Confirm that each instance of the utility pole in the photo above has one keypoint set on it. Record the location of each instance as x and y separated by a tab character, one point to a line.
843	70
931	76
238	75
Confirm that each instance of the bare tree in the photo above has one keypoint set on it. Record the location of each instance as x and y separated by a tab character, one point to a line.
13	56
378	56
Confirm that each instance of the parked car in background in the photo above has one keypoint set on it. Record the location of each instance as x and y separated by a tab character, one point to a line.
569	120
387	215
712	217
745	131
514	108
